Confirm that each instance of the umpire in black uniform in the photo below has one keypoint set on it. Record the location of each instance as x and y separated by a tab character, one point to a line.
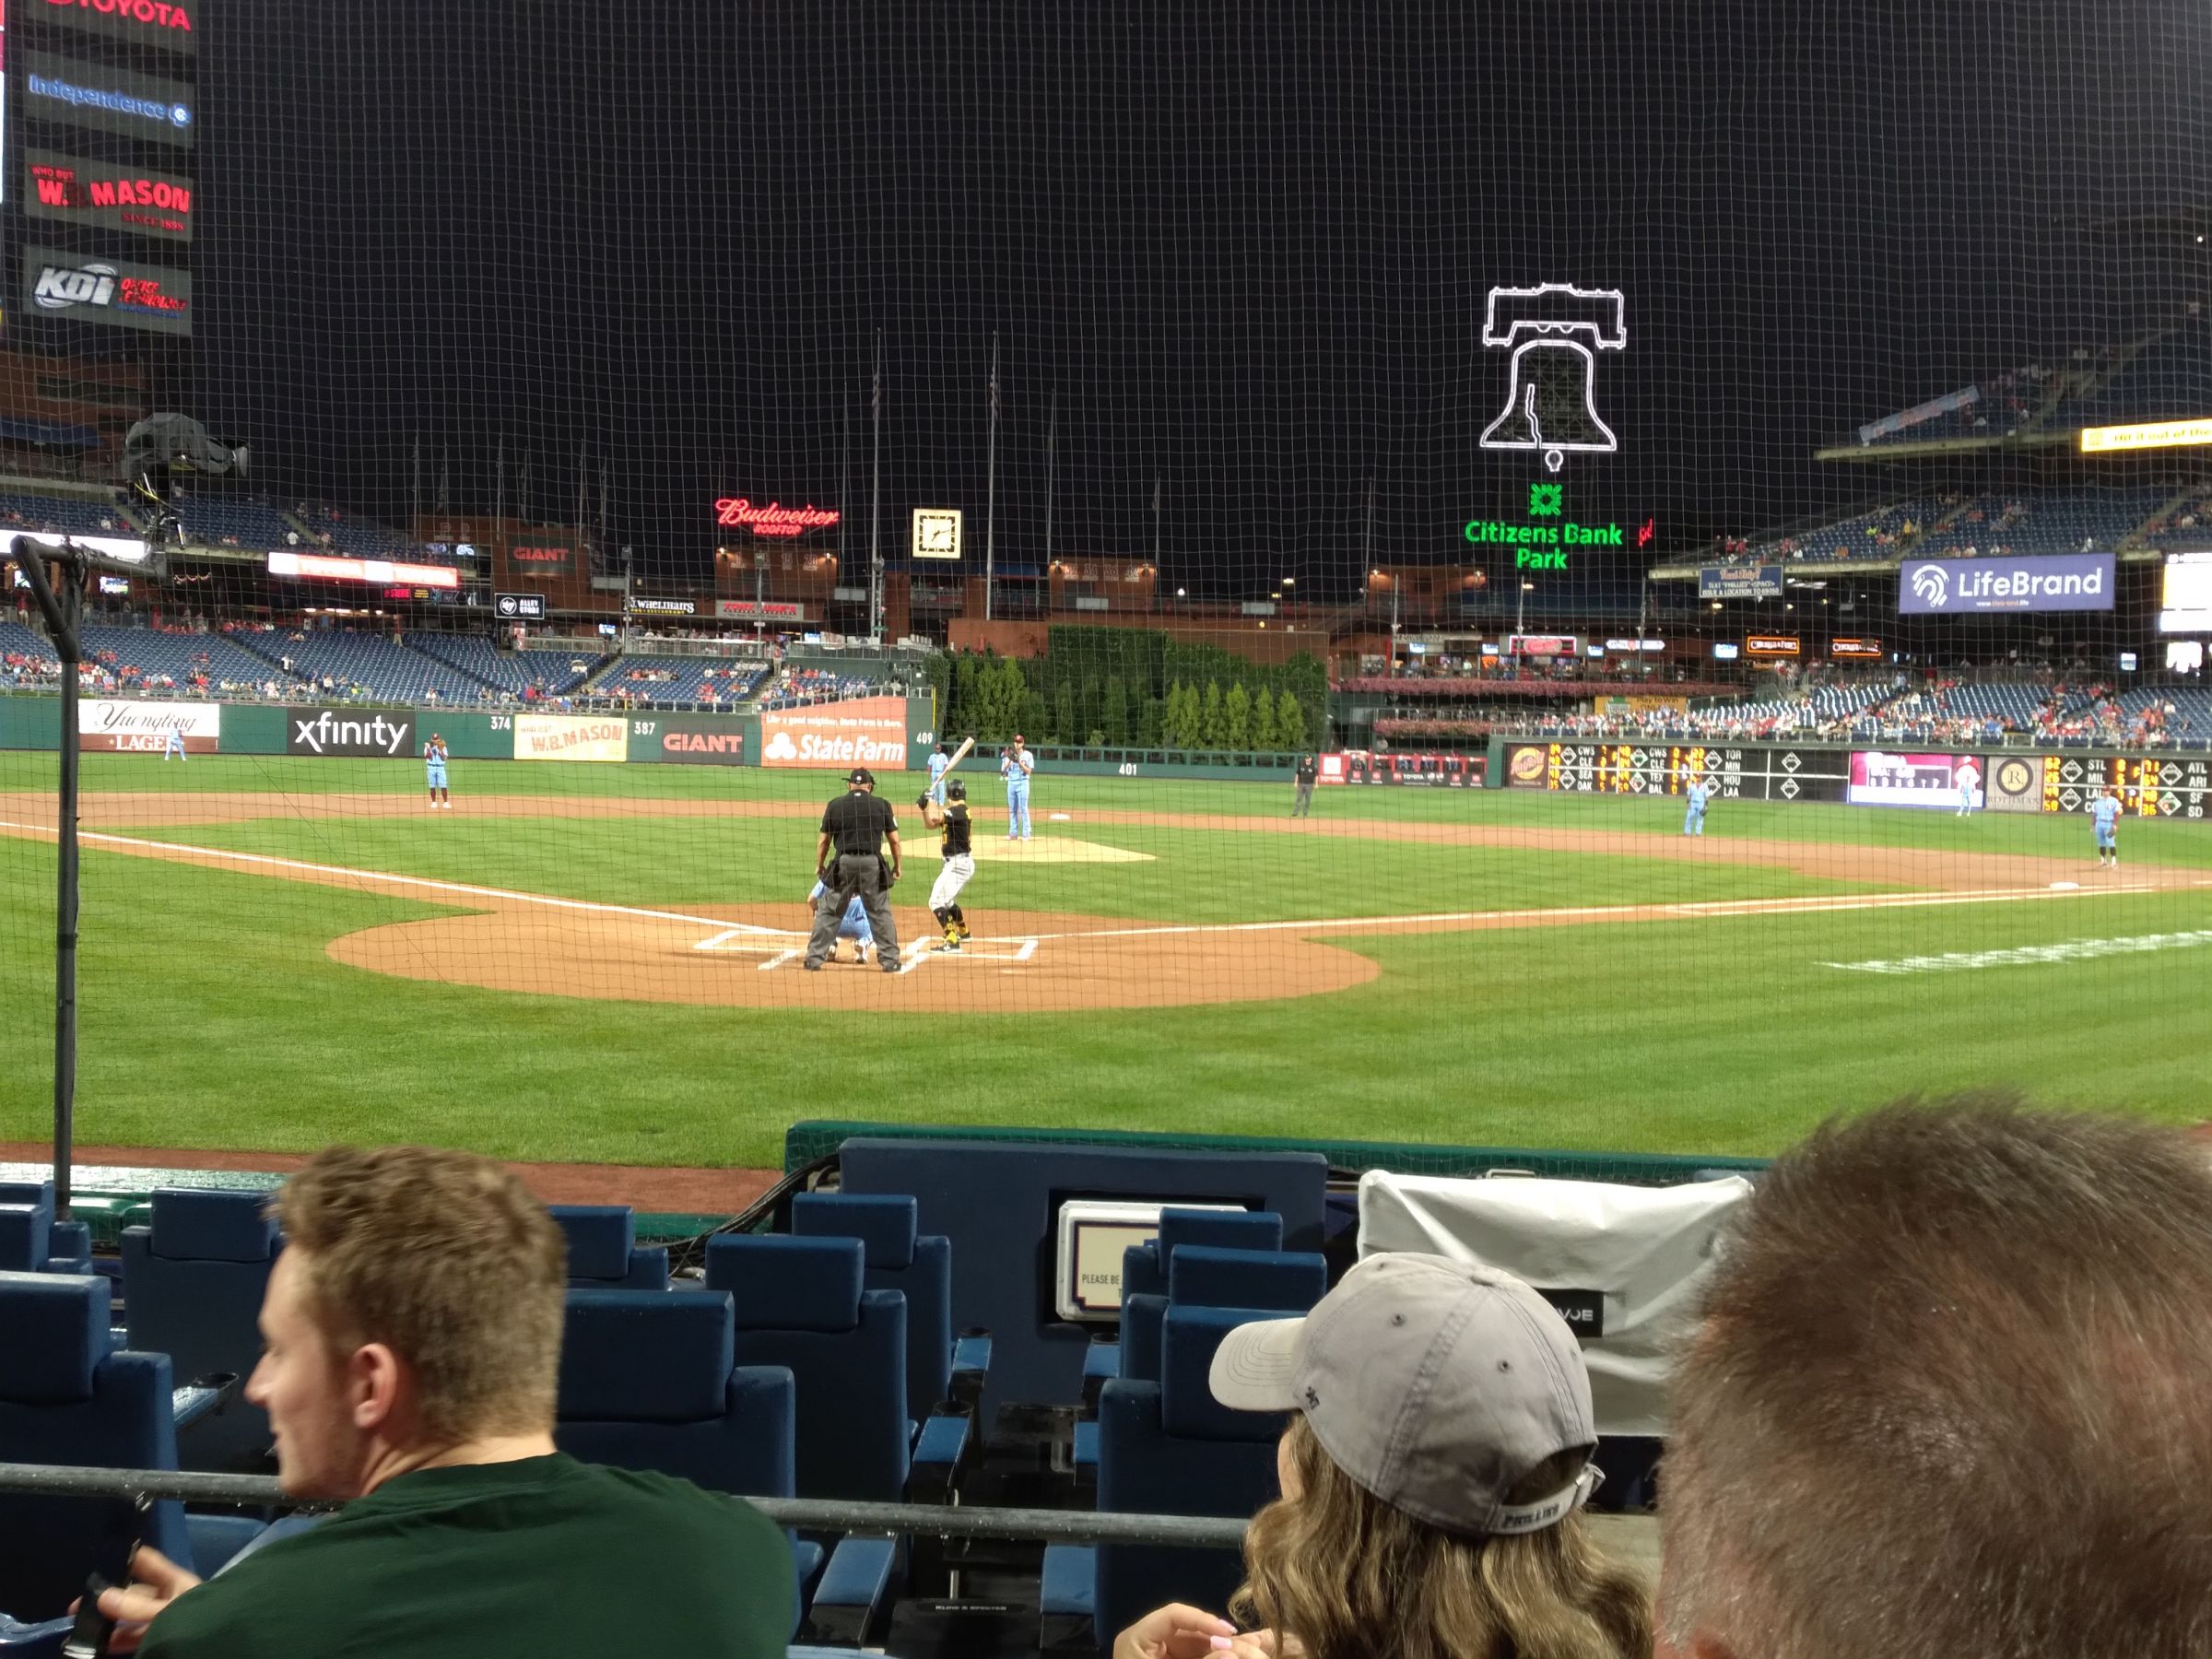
855	825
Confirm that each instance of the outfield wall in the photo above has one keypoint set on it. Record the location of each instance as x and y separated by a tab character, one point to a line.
2026	781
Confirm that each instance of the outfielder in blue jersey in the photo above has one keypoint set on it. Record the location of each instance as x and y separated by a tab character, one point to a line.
1015	765
1700	792
853	926
937	763
175	745
2106	815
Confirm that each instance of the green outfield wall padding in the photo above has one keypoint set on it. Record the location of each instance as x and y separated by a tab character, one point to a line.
30	722
252	729
817	1138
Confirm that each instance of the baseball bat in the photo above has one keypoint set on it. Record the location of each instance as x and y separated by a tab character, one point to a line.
959	754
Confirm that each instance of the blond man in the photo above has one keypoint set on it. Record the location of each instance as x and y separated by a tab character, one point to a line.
412	1330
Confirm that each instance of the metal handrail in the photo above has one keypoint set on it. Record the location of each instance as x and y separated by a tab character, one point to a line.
818	1514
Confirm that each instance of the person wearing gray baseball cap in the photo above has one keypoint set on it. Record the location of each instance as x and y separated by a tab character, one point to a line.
1432	1480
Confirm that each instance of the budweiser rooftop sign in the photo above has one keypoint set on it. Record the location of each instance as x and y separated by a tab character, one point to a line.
774	518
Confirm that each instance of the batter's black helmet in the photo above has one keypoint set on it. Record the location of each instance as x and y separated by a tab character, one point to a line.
955	789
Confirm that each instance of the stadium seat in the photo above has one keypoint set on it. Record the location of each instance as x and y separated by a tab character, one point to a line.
1290	1280
68	1396
1168	1448
648	1381
604	1251
1144	1267
192	1288
67	1245
896	1256
800	1303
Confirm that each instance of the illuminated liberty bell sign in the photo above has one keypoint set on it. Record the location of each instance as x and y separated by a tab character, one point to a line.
1552	329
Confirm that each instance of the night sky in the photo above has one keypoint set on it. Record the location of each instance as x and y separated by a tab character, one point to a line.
1246	246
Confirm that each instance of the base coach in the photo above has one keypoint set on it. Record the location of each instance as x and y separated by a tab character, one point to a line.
856	825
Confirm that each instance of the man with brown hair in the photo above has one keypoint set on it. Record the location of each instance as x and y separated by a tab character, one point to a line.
1948	1397
412	1329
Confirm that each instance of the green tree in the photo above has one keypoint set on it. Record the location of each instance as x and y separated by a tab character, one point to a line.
1063	716
1211	732
961	716
1290	724
1033	716
1114	714
1236	718
1086	709
1263	721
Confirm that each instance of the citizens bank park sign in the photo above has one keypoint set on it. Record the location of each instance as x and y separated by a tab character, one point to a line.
164	23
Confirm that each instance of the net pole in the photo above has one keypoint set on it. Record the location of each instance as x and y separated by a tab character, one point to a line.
991	483
63	611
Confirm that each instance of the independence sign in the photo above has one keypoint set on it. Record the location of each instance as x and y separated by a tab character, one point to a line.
1945	587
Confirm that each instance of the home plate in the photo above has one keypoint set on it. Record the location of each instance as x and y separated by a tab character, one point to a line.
2065	887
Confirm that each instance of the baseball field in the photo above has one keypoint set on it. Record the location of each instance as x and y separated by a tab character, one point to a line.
600	963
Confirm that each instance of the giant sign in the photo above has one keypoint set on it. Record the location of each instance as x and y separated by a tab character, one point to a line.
688	740
113	100
115	291
542	556
1739	581
571	738
168	24
143	728
72	191
385	734
863	731
2071	582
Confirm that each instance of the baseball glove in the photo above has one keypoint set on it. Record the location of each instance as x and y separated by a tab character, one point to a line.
922	800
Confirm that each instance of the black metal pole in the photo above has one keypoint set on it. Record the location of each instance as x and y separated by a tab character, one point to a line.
63	610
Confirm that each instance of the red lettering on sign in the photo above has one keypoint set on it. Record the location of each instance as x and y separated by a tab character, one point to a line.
161	15
774	518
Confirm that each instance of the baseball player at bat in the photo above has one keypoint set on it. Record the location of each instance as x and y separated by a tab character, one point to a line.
960	860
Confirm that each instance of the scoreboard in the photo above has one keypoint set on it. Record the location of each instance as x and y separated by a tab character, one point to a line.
2152	786
1749	773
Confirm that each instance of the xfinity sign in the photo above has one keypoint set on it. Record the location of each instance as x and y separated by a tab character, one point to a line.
2074	582
351	731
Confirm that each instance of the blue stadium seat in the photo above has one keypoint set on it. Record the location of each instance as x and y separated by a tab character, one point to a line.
896	1256
604	1251
66	1396
67	1245
1170	1448
192	1288
800	1303
1144	1267
649	1379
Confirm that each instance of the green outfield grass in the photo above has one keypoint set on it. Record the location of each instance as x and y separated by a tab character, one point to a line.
211	1016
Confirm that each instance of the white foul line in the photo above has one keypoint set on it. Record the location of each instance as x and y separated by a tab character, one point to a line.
415	881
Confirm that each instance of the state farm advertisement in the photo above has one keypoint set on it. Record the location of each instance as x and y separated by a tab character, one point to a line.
111	725
570	738
867	731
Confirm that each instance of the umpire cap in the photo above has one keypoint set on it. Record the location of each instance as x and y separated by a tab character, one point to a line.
861	774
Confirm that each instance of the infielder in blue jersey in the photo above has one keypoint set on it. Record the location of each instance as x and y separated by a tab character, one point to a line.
176	744
433	763
1015	765
1700	792
937	763
855	925
2106	815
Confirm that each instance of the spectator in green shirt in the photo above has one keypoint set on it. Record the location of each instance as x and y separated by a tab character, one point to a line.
412	1330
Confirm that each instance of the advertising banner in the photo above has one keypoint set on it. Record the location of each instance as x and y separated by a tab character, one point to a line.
641	605
571	738
1878	779
688	740
1944	587
541	555
386	734
2015	783
112	100
1739	581
113	725
1860	649
168	24
2152	786
2186	594
1771	645
115	291
72	191
759	610
864	730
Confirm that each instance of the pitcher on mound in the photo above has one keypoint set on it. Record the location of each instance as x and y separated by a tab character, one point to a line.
959	859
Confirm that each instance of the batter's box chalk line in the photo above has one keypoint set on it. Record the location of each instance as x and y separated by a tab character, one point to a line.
777	949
